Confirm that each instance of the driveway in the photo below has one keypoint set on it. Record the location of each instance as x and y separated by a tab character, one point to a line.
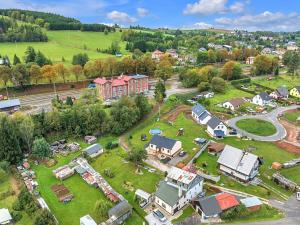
152	220
272	117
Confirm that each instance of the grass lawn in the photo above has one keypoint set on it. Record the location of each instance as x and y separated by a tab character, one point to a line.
66	44
280	81
266	213
187	212
292	116
292	173
5	186
257	127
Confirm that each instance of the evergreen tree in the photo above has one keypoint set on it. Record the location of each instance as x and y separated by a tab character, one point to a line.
29	55
16	60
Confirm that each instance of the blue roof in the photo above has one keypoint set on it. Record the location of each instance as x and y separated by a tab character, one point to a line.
219	133
250	202
93	149
198	109
9	103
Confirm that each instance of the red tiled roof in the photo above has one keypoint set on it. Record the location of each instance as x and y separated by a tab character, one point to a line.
226	201
100	81
157	52
118	82
125	78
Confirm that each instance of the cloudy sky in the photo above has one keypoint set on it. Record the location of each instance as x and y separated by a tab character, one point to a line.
276	15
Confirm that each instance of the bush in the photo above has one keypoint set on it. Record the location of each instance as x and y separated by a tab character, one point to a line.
109	173
17	216
241	81
203	86
17	206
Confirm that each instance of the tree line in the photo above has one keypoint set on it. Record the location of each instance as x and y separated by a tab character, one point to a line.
19	132
10	31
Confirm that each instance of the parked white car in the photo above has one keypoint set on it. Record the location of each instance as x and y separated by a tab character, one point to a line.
298	195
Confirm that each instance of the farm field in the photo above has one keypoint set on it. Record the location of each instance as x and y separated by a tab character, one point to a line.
66	44
257	127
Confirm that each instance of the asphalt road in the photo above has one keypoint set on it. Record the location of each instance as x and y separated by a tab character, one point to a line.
271	117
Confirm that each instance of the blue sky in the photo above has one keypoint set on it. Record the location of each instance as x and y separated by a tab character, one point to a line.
276	15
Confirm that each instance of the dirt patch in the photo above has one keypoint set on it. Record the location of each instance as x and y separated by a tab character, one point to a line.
288	147
15	185
173	114
292	131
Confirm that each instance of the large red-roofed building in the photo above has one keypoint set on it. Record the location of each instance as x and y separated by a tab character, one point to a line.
121	86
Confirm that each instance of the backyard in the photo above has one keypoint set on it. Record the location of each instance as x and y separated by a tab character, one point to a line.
279	81
257	127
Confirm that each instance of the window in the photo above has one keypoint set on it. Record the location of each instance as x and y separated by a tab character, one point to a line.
163	205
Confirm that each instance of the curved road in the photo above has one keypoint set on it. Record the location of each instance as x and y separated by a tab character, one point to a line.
271	117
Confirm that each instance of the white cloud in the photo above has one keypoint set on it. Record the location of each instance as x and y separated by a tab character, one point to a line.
202	25
275	21
142	12
206	7
237	7
120	17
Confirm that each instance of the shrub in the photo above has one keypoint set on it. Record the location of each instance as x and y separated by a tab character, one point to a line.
17	216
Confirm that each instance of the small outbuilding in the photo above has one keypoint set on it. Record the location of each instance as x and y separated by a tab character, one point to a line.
120	212
87	220
5	217
10	105
143	196
215	148
253	204
94	150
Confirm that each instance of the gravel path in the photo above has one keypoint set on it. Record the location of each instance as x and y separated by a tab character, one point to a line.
271	117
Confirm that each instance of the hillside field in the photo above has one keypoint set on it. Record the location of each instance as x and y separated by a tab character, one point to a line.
66	44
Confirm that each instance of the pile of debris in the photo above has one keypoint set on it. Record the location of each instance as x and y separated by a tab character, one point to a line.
28	176
61	146
291	163
283	181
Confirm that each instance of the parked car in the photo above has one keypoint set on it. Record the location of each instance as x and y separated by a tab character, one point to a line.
158	214
92	86
165	160
143	204
182	153
233	132
298	195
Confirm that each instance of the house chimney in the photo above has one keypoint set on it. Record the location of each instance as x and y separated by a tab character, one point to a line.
179	191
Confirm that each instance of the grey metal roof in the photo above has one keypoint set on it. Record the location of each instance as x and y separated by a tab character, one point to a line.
264	96
198	109
283	91
95	148
9	103
120	209
237	159
204	115
214	122
210	206
138	76
163	142
167	193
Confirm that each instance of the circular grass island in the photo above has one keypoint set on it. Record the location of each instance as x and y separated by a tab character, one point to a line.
257	127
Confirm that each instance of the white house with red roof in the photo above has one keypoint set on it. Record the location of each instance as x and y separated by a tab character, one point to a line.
123	85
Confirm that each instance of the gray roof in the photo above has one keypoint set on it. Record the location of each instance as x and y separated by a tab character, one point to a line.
80	170
198	109
9	103
264	96
204	115
298	88
163	142
283	91
237	159
93	149
138	76
214	122
120	209
167	193
210	206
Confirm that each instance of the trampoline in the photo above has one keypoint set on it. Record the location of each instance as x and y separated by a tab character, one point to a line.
155	131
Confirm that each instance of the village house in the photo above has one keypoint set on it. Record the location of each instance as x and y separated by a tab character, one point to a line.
10	105
239	164
200	114
250	60
179	188
94	150
261	99
208	208
206	94
233	104
173	53
295	92
280	93
121	86
216	128
5	217
163	145
292	46
156	55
